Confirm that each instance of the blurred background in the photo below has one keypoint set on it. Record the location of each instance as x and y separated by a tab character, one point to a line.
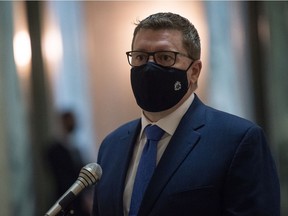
70	56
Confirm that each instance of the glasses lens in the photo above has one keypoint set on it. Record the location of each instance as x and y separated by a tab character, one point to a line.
165	58
137	58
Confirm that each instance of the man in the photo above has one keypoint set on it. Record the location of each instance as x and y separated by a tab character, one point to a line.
209	163
65	162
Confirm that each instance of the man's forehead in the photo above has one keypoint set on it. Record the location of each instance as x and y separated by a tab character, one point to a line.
159	37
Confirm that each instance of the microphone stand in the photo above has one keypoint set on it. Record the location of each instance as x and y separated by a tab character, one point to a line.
89	175
67	212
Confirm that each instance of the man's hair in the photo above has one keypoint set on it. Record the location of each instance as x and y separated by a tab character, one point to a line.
159	21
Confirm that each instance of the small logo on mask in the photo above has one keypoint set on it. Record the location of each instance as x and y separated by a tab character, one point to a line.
177	86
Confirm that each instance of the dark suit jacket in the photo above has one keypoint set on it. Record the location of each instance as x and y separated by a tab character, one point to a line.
215	164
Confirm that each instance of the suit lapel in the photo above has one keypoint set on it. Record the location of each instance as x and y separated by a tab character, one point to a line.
125	153
181	144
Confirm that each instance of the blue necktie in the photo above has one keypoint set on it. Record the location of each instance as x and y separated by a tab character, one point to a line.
146	167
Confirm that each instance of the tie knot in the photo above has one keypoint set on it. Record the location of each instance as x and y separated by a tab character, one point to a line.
153	132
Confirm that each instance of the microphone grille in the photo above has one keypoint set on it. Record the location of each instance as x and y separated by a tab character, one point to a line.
90	174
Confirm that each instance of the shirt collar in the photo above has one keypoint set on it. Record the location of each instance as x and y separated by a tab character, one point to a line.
170	122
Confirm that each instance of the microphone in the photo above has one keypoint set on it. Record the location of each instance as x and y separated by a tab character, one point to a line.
89	175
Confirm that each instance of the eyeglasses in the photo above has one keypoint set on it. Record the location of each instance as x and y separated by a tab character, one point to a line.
164	58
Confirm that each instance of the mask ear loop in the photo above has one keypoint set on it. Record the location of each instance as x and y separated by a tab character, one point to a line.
186	72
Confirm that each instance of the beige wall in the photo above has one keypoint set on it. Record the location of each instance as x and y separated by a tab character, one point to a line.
109	33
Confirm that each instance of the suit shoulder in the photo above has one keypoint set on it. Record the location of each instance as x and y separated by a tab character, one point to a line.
117	138
217	117
125	128
222	118
122	131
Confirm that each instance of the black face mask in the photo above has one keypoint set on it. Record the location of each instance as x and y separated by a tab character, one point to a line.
157	88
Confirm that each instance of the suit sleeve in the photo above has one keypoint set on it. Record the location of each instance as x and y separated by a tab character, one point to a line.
95	209
252	185
95	204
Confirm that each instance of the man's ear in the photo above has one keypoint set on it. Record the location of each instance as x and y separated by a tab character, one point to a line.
195	71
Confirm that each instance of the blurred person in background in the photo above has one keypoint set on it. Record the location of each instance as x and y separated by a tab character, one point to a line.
65	162
206	163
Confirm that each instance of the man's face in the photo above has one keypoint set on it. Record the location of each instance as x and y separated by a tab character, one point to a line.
149	40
